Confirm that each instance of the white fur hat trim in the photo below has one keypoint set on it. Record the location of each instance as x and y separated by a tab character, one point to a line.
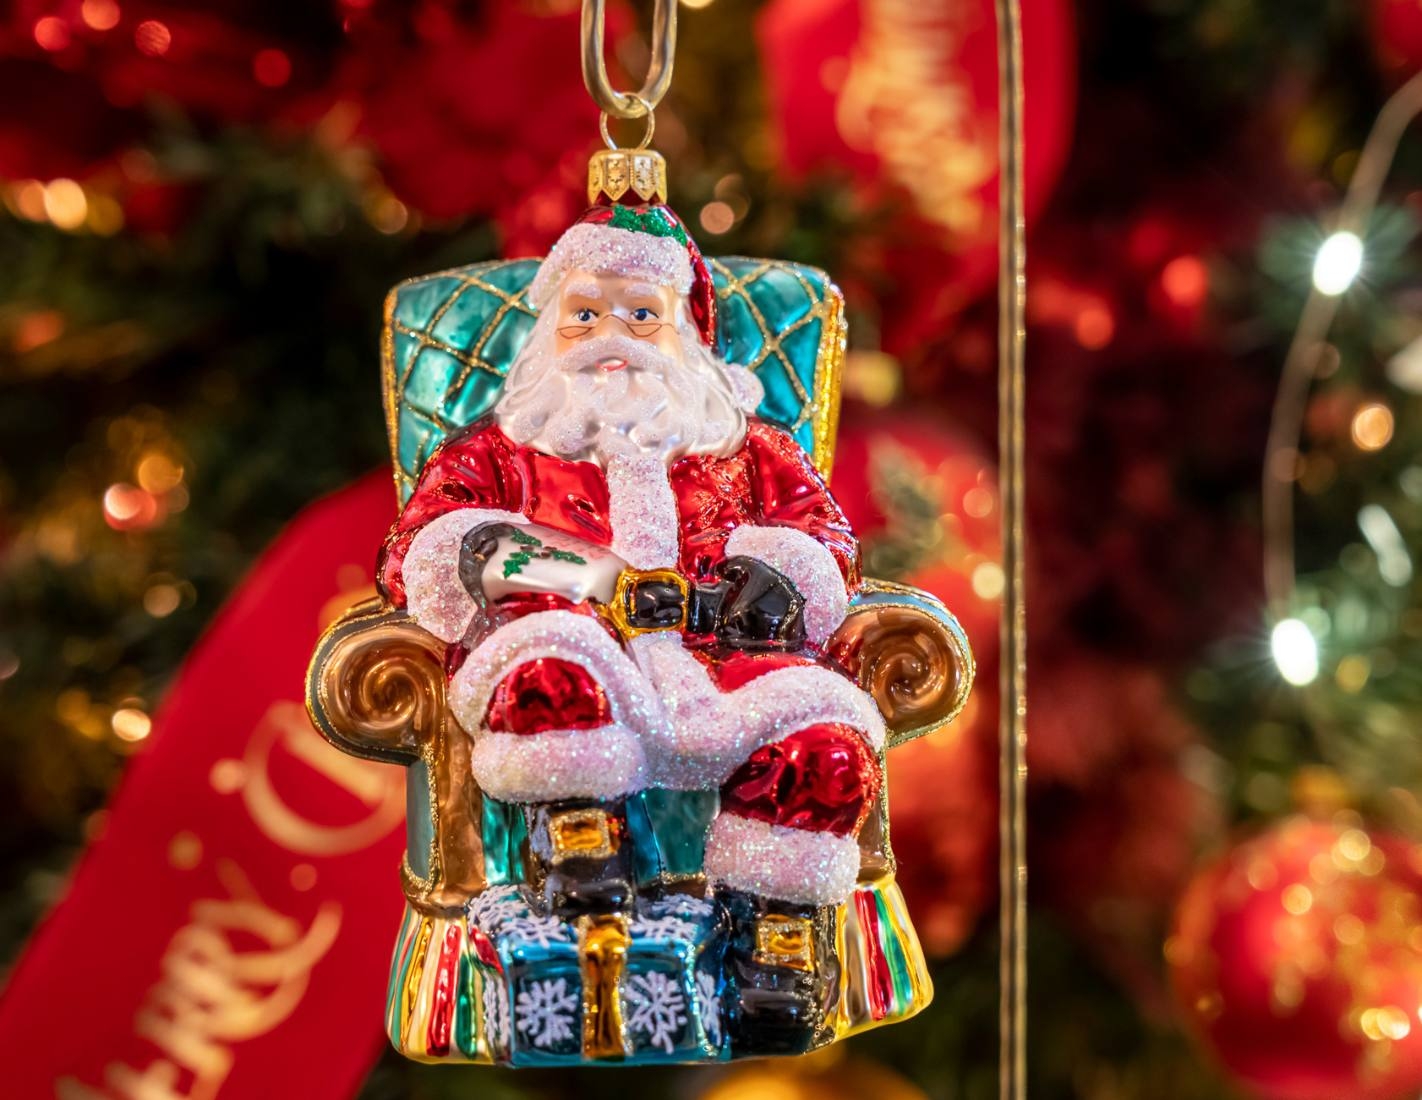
605	249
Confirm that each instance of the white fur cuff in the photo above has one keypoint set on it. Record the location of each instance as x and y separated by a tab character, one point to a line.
778	862
811	568
542	767
436	598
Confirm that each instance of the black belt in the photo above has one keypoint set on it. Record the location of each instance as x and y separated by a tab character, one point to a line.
650	599
646	600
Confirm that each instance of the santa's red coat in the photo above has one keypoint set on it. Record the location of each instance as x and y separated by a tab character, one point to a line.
821	778
769	482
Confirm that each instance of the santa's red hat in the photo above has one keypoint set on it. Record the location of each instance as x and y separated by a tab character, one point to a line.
629	240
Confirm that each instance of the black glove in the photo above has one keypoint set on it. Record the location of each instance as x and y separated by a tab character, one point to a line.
758	607
475	551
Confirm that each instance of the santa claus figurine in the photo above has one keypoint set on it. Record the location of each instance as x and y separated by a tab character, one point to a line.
637	578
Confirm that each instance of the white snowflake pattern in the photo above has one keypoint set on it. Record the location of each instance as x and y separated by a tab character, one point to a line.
545	1011
496	1015
708	1006
495	906
658	1008
672	918
532	928
683	906
668	927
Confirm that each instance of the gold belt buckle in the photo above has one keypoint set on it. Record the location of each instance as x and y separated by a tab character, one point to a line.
620	610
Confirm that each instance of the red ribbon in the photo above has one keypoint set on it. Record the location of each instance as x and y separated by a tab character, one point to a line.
229	934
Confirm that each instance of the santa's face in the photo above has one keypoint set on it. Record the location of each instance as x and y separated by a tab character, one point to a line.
591	306
615	366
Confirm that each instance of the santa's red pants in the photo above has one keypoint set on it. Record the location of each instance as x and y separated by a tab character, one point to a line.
790	810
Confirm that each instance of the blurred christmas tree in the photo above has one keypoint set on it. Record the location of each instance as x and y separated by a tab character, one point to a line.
205	207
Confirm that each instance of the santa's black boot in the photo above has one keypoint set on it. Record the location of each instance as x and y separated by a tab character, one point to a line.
782	975
579	858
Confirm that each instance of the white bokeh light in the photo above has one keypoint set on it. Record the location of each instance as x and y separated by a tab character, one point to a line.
1338	262
1295	652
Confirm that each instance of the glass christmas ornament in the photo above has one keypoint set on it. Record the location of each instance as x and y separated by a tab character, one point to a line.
624	650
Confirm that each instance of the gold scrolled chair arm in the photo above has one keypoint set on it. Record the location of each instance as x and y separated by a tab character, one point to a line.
375	687
909	652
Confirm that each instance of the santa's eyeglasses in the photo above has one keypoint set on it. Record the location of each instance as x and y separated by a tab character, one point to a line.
640	329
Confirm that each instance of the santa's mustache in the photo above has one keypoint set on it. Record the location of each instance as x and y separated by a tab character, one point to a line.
637	354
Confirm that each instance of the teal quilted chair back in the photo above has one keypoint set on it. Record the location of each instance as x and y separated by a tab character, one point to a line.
450	337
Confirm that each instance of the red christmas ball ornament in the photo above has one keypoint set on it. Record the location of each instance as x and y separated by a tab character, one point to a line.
943	790
922	496
1297	957
923	499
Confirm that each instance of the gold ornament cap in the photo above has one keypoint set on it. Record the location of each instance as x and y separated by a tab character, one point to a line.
613	174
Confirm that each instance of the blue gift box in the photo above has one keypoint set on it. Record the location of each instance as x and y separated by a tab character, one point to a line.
534	1001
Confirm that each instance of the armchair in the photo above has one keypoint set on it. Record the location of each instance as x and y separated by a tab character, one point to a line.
376	684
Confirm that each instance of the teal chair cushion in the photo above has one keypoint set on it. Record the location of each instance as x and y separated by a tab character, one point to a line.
450	338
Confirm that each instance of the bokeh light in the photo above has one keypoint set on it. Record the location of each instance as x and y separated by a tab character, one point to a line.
1339	260
152	38
271	68
1372	426
131	724
100	15
1295	652
51	33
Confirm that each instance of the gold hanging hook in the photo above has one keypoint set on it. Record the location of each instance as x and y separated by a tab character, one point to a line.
651	127
659	72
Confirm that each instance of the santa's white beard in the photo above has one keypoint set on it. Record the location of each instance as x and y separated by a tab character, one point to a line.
569	406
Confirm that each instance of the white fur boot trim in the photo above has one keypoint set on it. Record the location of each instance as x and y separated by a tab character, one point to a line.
606	762
775	861
579	639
